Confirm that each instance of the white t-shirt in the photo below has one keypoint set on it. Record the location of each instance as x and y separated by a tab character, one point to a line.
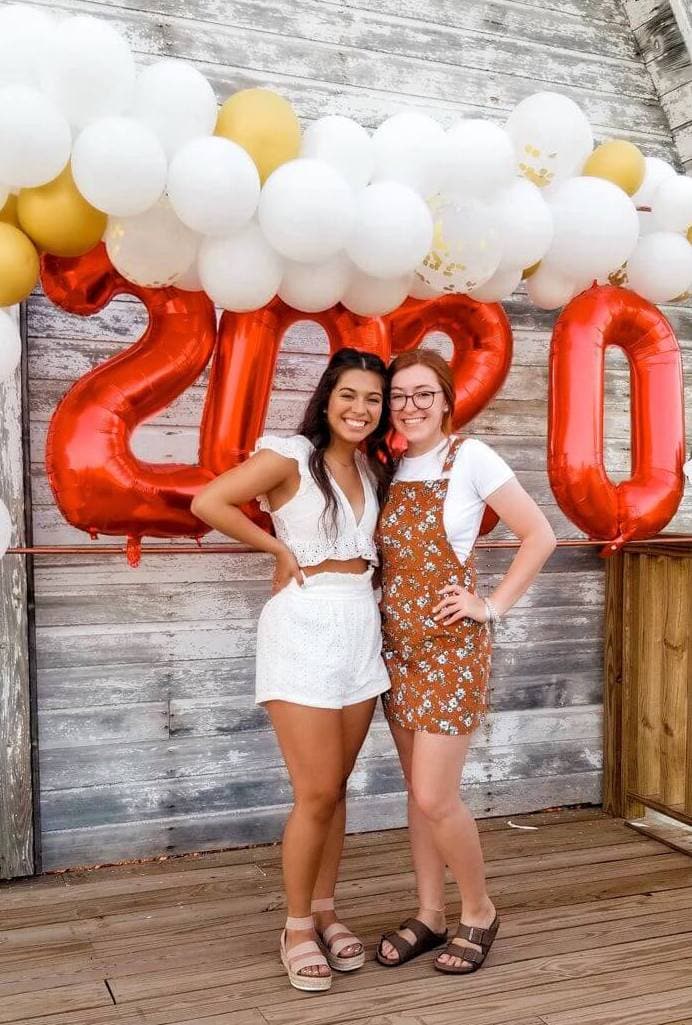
477	472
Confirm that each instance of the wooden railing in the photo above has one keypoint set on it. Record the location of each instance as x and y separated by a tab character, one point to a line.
648	681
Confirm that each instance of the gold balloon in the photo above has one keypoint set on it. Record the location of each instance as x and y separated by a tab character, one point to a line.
689	235
264	124
8	214
526	274
619	162
19	266
58	218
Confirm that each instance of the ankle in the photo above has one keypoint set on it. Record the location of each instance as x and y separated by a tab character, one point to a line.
477	911
434	917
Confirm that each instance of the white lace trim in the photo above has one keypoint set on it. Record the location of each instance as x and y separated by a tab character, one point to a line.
295	447
350	541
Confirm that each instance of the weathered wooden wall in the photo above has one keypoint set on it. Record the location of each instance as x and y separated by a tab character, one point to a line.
150	741
663	30
16	789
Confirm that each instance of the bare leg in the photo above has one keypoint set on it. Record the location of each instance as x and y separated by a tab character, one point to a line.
428	865
355	722
311	740
438	762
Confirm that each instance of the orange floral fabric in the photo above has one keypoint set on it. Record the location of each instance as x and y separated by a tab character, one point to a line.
439	674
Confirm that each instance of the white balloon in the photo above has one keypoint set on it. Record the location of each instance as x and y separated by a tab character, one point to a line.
5	528
213	185
526	223
552	137
412	149
660	268
596	228
481	158
373	297
35	138
656	171
190	281
151	249
672	204
306	210
392	230
647	223
342	143
119	166
548	288
26	39
420	289
91	72
175	100
10	346
500	286
466	246
312	287
240	272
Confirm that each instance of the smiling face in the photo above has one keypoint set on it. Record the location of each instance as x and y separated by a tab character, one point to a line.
422	428
355	405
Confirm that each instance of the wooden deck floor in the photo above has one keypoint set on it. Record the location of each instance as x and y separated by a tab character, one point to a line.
597	930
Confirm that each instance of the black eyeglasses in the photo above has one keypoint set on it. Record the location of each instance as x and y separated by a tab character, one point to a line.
420	399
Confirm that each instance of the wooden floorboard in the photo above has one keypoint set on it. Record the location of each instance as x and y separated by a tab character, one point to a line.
596	930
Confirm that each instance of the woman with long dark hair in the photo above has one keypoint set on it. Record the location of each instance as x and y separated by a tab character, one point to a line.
319	664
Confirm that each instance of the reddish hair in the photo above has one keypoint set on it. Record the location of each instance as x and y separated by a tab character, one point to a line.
439	366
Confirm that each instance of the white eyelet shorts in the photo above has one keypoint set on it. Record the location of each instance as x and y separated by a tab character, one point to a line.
320	644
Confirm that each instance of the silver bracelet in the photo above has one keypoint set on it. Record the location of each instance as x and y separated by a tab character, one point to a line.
491	609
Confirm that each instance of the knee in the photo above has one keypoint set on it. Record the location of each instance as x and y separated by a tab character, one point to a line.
319	800
434	803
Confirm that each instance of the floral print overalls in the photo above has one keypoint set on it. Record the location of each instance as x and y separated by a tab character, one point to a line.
439	674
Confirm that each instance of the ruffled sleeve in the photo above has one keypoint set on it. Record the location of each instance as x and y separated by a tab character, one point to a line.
294	447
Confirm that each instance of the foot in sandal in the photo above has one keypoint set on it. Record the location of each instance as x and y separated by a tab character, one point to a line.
471	943
302	958
344	951
415	936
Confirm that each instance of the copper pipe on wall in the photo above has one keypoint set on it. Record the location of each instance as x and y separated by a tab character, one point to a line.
228	549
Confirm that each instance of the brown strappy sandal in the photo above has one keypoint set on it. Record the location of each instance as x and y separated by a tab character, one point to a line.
337	938
426	940
475	958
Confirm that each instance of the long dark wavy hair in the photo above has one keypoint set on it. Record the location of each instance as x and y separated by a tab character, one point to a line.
315	426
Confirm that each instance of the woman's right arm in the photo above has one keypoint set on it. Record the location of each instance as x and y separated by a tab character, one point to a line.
218	505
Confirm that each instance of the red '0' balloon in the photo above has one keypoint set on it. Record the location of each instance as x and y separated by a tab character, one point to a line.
641	506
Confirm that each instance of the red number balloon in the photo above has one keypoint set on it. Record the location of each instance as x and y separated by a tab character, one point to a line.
641	506
99	485
482	339
242	372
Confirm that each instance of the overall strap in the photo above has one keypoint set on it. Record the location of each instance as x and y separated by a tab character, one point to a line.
455	443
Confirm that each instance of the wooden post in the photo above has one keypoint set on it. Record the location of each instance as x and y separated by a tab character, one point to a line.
613	774
16	790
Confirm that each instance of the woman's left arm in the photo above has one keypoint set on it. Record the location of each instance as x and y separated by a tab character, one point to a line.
523	517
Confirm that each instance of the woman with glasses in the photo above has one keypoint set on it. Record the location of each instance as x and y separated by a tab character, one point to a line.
436	644
319	663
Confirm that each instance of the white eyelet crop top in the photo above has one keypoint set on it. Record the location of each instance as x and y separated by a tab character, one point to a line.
299	523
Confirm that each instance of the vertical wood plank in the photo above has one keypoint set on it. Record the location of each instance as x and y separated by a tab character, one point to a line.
630	675
613	733
16	803
688	642
674	680
650	629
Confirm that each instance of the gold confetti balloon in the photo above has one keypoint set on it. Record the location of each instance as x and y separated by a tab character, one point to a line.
552	138
466	247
